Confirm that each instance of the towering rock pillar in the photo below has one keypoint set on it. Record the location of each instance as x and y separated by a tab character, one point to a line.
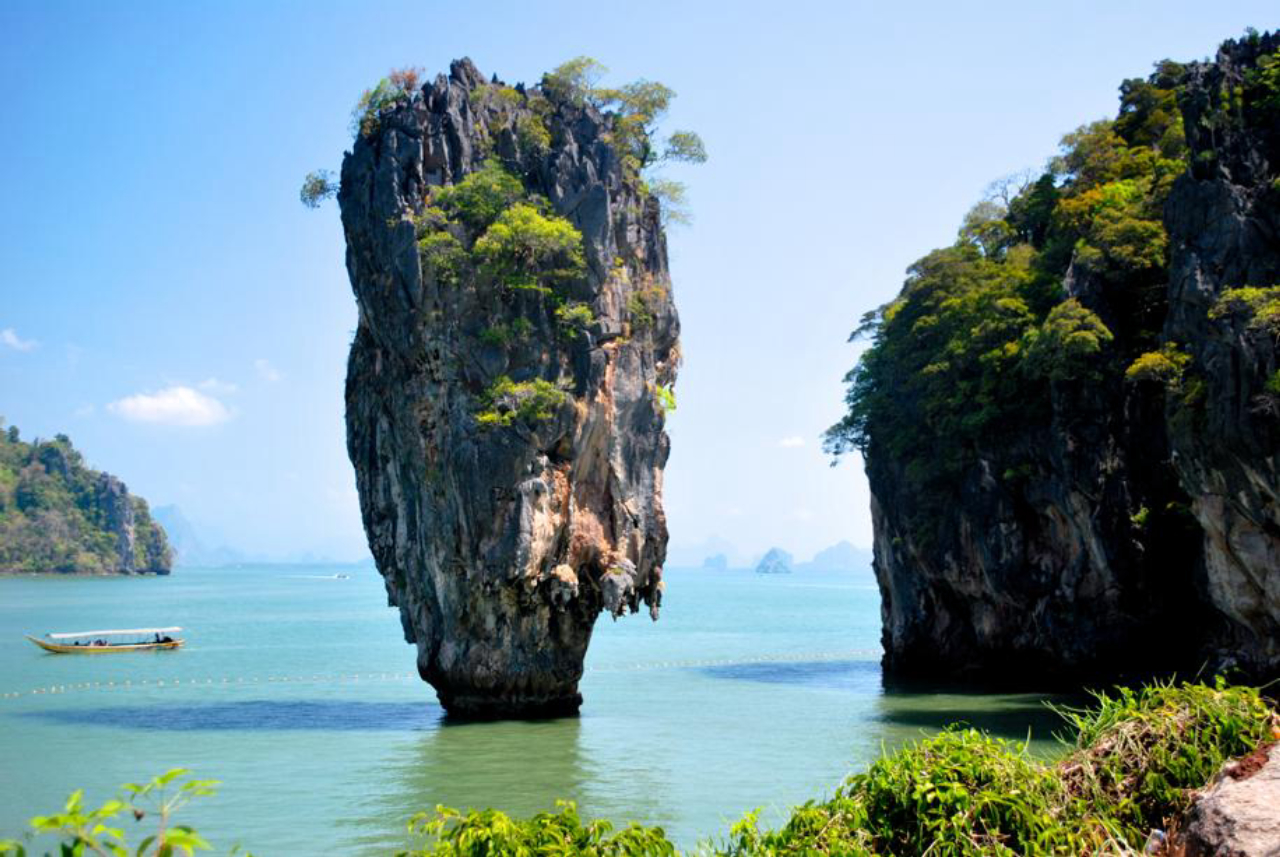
507	383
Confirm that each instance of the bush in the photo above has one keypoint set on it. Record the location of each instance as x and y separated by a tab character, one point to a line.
489	833
317	187
396	87
506	401
1258	307
481	196
1141	752
574	318
525	248
1162	367
86	831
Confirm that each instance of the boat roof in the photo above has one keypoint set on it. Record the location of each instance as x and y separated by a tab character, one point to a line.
130	631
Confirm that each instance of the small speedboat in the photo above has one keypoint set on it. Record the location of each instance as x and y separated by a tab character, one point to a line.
100	642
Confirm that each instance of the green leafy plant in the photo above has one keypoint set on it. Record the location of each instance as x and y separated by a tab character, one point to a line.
1165	366
393	89
526	249
635	110
1258	307
82	831
490	833
481	196
506	401
574	318
317	186
666	396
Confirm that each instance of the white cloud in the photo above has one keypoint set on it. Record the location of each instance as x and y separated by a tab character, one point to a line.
10	337
802	515
174	406
218	388
268	372
791	442
84	411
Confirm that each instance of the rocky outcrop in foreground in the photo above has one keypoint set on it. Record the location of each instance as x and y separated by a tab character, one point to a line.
508	381
1238	815
56	515
1071	418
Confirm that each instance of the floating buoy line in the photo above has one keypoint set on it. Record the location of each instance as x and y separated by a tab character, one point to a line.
352	678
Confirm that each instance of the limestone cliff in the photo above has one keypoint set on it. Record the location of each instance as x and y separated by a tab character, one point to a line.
56	515
517	343
1069	420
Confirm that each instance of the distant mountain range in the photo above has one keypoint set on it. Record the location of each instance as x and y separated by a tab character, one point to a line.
192	547
717	554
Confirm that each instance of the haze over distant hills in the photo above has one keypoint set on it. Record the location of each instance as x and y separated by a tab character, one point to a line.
193	546
715	553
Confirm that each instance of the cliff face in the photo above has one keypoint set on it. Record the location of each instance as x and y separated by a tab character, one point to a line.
1225	218
1119	512
505	387
56	515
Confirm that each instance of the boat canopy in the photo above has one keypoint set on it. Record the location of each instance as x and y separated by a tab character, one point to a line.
132	632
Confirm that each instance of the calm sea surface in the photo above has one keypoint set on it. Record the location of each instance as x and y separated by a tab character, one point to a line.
298	693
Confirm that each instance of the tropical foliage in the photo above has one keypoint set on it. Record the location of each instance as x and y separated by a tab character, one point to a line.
964	361
635	111
101	831
56	517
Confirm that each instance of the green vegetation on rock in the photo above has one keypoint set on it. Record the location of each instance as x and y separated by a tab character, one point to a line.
1258	307
489	226
634	110
57	515
965	360
506	401
1163	367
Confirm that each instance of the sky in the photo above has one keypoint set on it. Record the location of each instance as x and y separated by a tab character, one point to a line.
167	302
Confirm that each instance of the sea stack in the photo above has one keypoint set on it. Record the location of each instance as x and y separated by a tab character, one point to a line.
508	381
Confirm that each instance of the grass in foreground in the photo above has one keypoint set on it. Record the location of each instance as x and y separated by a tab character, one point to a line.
1138	755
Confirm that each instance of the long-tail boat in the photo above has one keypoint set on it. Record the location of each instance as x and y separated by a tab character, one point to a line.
100	642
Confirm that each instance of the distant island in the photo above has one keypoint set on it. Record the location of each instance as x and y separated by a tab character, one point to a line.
57	515
776	561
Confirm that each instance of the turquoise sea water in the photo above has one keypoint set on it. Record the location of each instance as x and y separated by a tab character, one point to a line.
297	691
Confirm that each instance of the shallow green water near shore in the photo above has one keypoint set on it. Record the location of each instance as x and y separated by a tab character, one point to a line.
297	691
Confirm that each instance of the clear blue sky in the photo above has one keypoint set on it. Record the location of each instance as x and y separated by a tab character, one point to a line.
151	236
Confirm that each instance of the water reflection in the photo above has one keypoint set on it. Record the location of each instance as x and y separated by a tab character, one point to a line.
519	767
907	711
253	715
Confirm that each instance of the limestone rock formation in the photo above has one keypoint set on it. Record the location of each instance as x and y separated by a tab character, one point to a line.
776	561
517	342
57	515
1238	815
1123	518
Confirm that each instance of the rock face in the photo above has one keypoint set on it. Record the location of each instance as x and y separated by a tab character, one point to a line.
505	413
56	515
1239	814
776	561
1134	528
